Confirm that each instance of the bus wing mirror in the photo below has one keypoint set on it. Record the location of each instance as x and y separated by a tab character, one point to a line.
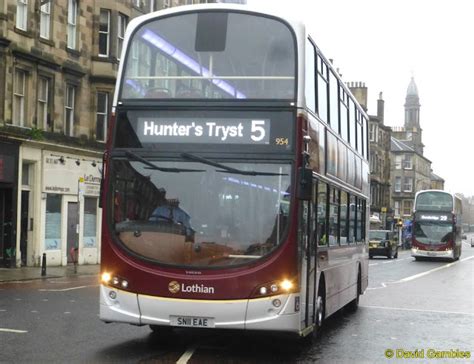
304	183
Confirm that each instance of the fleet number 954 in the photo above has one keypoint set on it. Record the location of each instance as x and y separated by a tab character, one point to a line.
281	141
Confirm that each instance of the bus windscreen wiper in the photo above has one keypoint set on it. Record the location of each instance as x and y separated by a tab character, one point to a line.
161	169
227	169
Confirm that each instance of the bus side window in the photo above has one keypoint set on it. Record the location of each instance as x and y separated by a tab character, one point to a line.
333	223
352	219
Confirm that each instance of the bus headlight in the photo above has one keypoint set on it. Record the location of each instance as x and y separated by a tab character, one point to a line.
106	277
286	285
114	281
275	287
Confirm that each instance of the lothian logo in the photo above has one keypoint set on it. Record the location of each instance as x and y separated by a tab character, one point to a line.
175	287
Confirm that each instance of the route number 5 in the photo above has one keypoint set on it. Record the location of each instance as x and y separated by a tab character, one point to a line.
258	130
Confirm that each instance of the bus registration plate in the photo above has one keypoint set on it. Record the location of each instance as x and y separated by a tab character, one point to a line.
189	321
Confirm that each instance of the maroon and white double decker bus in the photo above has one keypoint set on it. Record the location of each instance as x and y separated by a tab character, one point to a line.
236	177
437	225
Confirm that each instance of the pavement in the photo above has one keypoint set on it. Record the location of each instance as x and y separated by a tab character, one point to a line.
31	273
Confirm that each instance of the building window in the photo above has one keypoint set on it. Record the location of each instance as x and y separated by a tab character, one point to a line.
407	164
372	132
69	110
43	102
398	184
19	88
45	20
102	115
408	184
407	207
122	25
397	208
104	32
71	24
22	14
398	162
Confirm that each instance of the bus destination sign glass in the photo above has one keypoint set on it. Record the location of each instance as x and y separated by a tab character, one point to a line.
432	217
203	130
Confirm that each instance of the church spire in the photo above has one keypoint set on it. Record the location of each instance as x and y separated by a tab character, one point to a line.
412	106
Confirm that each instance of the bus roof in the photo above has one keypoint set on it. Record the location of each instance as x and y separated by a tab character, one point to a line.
297	25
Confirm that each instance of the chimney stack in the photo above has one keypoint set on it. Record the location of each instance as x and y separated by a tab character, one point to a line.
359	90
380	108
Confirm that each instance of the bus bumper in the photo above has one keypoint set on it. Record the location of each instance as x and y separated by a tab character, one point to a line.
432	254
275	313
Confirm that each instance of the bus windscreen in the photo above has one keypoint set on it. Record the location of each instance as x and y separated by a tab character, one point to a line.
197	212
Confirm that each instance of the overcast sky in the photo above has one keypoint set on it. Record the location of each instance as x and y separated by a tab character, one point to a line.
384	43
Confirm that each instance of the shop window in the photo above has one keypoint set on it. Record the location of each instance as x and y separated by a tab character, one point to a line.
90	222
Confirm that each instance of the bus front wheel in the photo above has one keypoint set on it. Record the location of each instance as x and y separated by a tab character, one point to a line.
320	307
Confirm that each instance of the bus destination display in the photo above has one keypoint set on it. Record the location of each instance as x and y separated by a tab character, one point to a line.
203	130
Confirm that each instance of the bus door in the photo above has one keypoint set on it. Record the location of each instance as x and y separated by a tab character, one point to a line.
308	267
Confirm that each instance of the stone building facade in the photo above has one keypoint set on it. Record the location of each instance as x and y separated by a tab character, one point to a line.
58	65
411	172
410	169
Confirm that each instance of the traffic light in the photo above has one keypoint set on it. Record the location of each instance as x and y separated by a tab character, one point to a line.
400	223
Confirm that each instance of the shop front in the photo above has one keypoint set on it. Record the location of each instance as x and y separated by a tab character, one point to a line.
71	218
